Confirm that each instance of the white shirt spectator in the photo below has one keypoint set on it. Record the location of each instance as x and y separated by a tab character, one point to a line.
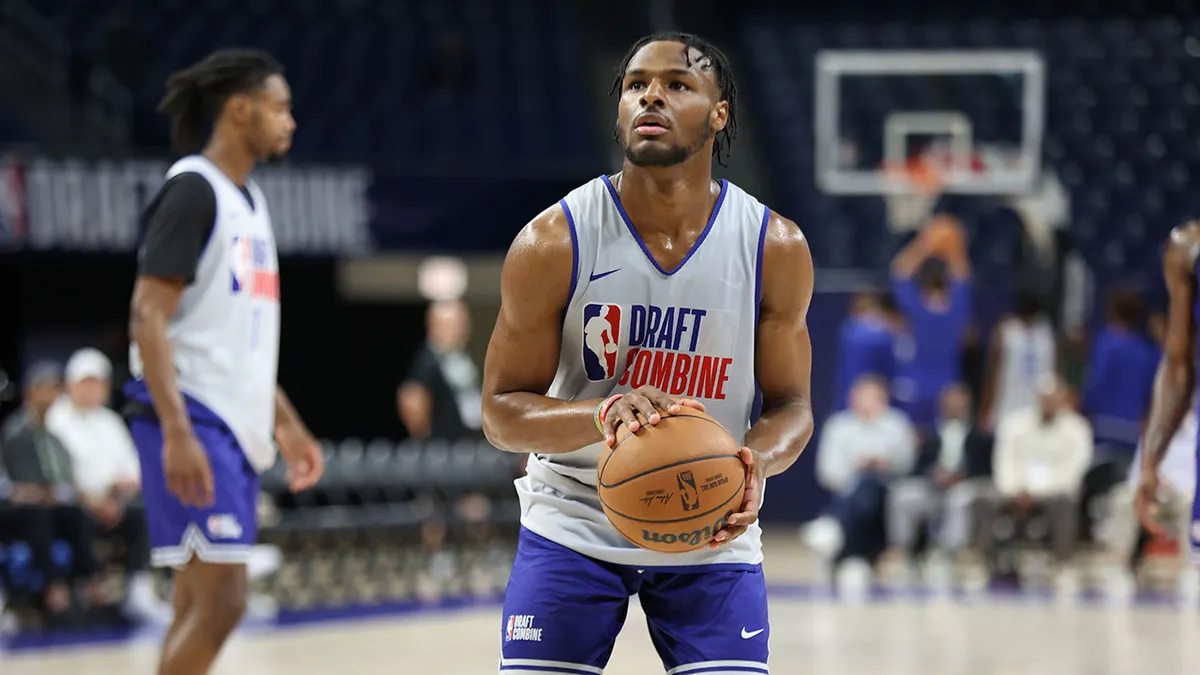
1044	457
849	441
101	449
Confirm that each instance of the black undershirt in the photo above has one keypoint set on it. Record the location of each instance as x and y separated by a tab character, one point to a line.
177	226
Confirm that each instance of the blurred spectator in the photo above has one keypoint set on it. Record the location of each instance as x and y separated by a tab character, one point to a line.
1120	379
440	398
935	297
861	450
1177	485
953	474
107	472
866	345
1021	354
43	507
1041	455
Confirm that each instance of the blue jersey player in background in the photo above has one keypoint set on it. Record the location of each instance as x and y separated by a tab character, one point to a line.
205	410
642	293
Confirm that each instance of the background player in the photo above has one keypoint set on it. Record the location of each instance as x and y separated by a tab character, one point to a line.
678	263
205	328
1175	381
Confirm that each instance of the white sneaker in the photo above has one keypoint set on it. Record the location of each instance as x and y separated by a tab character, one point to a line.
1120	586
264	561
824	536
853	580
148	609
1066	584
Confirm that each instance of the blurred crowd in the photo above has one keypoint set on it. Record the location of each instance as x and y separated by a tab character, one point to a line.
953	462
73	542
945	460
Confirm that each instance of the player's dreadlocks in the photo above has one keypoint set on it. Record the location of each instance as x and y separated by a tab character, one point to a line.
196	94
717	61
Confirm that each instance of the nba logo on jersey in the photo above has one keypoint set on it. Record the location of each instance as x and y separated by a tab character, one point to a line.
601	340
252	269
241	263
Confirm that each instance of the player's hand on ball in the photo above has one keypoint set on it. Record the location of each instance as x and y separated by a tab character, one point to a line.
188	472
302	452
647	402
1145	504
737	524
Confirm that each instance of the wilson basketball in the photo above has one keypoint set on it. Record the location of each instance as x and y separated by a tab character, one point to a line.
670	487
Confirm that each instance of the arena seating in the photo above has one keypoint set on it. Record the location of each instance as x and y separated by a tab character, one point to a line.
1123	103
357	74
379	484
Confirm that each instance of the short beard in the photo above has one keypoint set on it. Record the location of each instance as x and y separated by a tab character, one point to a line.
658	156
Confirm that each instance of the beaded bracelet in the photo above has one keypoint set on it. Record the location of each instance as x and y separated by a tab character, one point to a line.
602	410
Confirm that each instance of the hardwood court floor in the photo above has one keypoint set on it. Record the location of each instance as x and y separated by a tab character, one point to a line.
820	637
809	635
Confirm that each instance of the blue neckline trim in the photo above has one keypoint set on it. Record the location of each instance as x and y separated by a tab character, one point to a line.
612	192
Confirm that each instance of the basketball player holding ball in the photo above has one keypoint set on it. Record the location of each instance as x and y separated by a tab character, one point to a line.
658	262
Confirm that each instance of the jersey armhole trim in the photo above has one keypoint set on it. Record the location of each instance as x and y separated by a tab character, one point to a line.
757	402
758	264
574	252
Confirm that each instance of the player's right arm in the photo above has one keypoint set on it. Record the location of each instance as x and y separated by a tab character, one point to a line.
1176	377
522	356
179	223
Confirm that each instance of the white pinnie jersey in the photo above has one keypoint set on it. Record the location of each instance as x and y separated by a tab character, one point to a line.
225	335
689	332
1027	356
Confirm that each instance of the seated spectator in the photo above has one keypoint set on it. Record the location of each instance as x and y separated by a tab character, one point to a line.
43	500
932	285
1177	485
953	473
1021	352
1040	458
107	473
861	450
866	345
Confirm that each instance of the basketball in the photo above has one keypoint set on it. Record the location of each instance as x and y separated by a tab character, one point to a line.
670	487
944	237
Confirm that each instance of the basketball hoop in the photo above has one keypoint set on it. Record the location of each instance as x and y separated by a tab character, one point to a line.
917	184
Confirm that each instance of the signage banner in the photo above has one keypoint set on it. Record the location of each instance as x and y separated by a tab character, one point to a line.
95	205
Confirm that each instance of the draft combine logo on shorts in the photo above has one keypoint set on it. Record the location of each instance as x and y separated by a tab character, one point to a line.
601	340
520	629
224	526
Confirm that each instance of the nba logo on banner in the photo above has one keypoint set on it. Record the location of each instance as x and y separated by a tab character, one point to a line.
241	264
601	340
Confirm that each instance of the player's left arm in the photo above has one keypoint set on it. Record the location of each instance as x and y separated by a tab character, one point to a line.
783	366
298	446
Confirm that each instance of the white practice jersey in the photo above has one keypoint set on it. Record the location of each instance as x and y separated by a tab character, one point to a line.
1027	355
225	335
689	332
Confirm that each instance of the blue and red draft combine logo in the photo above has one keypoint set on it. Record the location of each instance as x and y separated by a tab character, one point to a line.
252	269
659	347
